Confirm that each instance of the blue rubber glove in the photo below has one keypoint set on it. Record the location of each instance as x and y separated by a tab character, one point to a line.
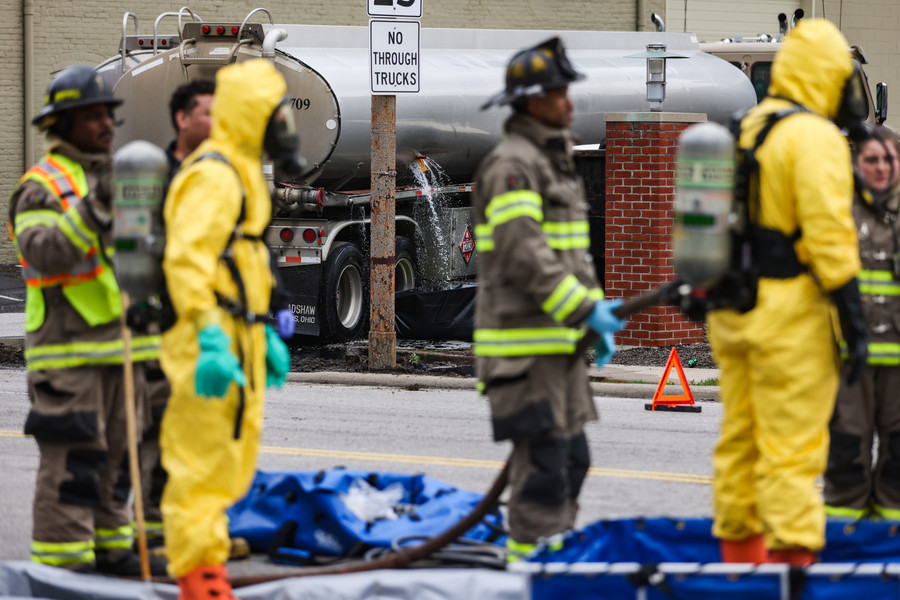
602	320
278	359
217	366
605	347
286	323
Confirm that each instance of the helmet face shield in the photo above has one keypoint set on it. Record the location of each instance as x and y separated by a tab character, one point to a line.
853	109
281	142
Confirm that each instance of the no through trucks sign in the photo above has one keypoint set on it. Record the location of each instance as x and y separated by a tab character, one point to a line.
394	56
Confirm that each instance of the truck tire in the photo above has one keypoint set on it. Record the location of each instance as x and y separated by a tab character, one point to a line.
344	295
405	266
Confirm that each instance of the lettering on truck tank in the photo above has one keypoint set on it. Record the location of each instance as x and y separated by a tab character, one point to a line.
300	103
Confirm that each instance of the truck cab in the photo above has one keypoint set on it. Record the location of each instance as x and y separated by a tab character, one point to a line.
754	58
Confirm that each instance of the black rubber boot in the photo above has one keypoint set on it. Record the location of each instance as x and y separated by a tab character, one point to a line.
127	563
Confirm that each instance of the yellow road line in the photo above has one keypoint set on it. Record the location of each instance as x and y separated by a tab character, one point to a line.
451	462
475	463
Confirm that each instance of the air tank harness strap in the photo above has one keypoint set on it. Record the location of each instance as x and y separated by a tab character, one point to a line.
236	308
774	253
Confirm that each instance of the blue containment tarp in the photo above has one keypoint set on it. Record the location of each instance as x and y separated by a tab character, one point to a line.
674	581
343	512
665	539
625	581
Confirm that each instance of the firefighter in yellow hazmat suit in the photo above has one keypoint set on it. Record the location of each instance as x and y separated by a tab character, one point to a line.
219	356
779	361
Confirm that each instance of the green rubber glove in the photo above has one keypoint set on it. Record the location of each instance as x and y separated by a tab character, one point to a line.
217	366
278	359
606	348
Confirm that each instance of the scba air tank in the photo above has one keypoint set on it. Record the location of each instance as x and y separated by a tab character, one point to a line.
140	178
703	203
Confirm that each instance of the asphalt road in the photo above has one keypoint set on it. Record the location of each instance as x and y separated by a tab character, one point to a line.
645	463
12	289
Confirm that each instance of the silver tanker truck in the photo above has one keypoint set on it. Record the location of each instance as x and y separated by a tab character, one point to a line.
321	221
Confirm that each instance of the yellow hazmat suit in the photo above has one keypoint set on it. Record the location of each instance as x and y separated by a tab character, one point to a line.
209	445
779	362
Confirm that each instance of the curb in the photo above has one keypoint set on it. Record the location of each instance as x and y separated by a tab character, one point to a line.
643	391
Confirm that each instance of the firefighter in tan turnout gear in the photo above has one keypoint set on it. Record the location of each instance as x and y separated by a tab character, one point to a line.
537	289
220	356
779	360
60	222
855	488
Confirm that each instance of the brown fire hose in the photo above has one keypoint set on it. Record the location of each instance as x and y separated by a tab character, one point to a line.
628	308
398	560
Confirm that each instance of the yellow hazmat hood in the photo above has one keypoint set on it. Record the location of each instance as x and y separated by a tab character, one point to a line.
812	67
246	95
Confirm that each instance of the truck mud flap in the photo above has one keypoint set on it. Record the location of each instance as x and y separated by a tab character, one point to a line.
302	285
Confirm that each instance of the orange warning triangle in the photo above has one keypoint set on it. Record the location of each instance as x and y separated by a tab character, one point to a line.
686	398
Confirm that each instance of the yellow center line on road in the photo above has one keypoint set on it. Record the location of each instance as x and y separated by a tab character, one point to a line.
476	464
451	462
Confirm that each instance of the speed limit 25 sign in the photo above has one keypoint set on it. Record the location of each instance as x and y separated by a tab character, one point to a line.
408	9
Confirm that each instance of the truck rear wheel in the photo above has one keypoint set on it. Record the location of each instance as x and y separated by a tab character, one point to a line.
344	295
405	266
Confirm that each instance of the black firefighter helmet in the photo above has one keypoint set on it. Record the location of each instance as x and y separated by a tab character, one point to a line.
75	86
532	71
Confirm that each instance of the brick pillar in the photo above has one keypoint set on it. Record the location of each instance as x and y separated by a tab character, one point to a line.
641	152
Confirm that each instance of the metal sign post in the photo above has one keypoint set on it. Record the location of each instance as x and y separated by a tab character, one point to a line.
394	68
382	336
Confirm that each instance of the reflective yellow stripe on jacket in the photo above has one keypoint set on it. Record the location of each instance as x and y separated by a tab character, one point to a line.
567	235
62	553
526	341
114	539
78	354
878	283
90	286
565	298
505	208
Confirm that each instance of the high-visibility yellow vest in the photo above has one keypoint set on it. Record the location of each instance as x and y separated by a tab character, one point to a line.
90	286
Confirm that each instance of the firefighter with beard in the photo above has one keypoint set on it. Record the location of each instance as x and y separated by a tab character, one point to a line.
220	355
537	288
60	223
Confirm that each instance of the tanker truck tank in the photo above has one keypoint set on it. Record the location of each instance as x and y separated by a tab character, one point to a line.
321	230
327	72
461	68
